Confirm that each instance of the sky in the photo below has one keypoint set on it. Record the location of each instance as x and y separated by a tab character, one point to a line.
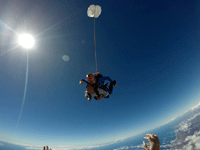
151	48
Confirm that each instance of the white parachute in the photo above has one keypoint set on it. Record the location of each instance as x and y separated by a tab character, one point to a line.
94	11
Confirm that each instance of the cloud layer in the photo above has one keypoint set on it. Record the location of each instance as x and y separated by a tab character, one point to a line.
188	134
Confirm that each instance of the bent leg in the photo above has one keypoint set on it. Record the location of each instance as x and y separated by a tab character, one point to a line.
87	95
106	89
110	89
96	90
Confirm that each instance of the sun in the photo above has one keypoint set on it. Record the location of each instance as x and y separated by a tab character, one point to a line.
26	41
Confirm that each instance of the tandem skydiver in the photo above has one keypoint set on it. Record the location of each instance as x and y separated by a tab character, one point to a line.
96	87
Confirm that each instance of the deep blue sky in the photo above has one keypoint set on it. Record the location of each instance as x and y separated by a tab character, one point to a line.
151	48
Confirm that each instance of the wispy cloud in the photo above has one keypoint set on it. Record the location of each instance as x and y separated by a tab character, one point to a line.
188	134
185	125
128	147
123	147
195	106
166	146
168	121
193	141
120	140
65	147
58	147
140	147
191	109
34	147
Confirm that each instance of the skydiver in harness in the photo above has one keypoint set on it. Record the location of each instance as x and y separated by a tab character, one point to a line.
96	87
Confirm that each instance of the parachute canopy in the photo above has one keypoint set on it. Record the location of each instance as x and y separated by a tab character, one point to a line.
94	11
65	57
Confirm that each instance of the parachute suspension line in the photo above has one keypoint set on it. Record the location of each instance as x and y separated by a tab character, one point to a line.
95	45
94	11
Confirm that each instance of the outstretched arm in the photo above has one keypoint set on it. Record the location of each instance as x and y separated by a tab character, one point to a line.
154	142
103	79
47	148
81	82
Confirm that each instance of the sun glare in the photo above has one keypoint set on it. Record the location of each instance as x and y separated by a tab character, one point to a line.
26	41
